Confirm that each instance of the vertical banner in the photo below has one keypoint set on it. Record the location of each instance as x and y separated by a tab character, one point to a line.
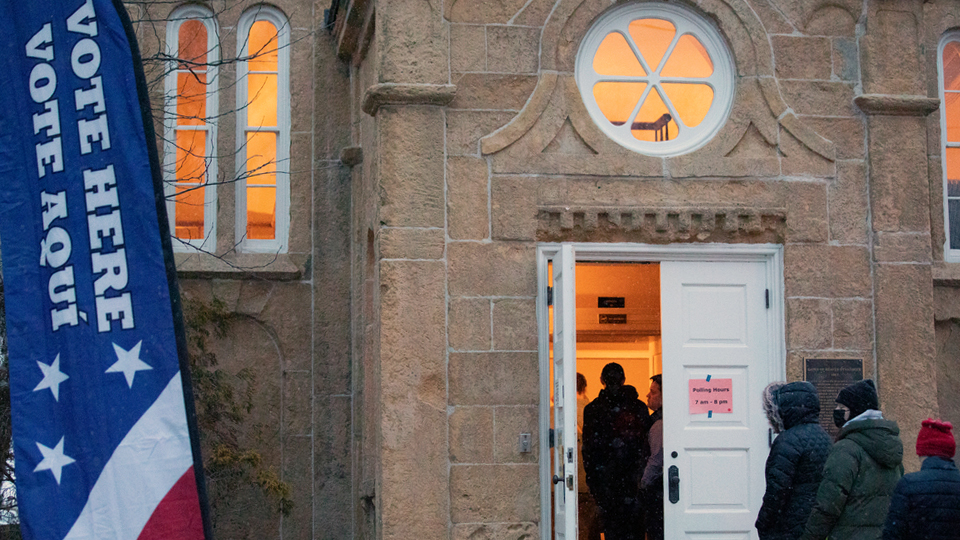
100	420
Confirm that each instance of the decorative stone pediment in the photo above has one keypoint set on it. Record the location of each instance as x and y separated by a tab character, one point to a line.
553	133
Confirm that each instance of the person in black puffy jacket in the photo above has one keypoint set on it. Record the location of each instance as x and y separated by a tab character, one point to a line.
795	464
926	504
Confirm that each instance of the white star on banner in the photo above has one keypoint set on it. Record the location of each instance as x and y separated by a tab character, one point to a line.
52	377
54	460
128	362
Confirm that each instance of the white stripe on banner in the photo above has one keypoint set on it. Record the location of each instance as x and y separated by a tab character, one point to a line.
140	473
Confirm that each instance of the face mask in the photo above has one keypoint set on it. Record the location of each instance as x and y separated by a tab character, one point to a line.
839	417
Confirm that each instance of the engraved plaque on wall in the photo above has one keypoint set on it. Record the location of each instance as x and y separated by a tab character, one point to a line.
830	375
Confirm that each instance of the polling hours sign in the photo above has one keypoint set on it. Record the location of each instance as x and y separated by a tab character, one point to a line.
100	421
711	396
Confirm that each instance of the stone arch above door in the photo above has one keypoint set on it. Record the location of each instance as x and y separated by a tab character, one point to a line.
554	134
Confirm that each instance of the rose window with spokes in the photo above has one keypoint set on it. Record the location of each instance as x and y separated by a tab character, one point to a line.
656	78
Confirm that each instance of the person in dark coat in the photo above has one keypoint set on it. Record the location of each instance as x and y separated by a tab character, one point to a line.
926	504
861	472
795	464
614	426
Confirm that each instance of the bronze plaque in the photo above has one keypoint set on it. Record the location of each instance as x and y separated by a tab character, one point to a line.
830	375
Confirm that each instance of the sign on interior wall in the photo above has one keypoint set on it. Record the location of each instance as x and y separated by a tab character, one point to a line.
711	396
830	375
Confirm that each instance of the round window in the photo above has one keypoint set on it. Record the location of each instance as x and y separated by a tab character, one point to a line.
656	78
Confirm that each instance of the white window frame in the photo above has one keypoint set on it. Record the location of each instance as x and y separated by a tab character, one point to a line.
722	81
280	242
175	21
949	255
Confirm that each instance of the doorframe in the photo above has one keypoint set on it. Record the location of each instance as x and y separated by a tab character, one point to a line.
769	254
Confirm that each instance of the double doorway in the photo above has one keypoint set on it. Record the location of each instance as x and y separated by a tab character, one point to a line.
710	320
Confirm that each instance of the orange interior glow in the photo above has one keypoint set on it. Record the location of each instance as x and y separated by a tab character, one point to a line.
951	66
192	44
951	109
262	100
688	59
615	57
692	101
617	99
189	225
953	172
191	98
653	37
262	47
261	213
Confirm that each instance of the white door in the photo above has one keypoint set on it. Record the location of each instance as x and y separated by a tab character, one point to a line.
717	358
564	394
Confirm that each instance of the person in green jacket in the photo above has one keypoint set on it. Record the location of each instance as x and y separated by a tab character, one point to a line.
861	472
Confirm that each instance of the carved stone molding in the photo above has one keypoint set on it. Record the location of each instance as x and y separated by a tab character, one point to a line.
879	104
659	224
382	94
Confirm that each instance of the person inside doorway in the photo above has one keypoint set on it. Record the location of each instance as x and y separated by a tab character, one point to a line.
651	484
614	428
589	518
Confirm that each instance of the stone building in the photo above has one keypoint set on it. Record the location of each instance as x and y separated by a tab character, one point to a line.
739	187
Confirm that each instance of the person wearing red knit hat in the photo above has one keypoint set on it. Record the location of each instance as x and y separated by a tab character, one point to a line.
926	504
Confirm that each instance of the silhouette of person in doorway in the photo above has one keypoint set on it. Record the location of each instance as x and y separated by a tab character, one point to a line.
614	456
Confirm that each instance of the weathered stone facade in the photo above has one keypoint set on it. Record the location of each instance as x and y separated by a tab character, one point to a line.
435	144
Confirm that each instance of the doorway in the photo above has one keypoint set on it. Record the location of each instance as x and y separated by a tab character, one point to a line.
710	320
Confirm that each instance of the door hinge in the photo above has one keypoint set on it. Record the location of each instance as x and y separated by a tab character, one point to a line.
549	296
766	294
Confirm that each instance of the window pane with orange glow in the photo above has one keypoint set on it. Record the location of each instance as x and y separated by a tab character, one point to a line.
191	98
951	66
951	109
262	159
190	208
617	100
192	45
692	101
191	156
653	38
262	47
953	172
262	100
654	122
261	213
615	57
688	59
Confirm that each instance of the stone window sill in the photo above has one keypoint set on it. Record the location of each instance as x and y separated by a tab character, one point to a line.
269	266
946	274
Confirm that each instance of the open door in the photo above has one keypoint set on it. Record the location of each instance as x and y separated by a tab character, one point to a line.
716	362
565	395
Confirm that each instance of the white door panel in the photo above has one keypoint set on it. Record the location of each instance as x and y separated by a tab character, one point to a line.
715	325
564	394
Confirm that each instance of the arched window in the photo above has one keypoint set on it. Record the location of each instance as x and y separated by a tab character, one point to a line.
263	131
656	78
949	68
190	128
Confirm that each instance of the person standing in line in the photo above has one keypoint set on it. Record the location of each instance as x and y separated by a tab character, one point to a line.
614	426
588	514
795	465
926	504
651	484
861	472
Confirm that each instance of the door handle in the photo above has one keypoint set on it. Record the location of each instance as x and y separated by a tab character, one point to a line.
674	483
557	479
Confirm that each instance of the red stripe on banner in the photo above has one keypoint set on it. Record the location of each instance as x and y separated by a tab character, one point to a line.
178	514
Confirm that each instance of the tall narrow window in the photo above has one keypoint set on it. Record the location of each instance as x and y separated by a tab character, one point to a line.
190	129
949	60
263	138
